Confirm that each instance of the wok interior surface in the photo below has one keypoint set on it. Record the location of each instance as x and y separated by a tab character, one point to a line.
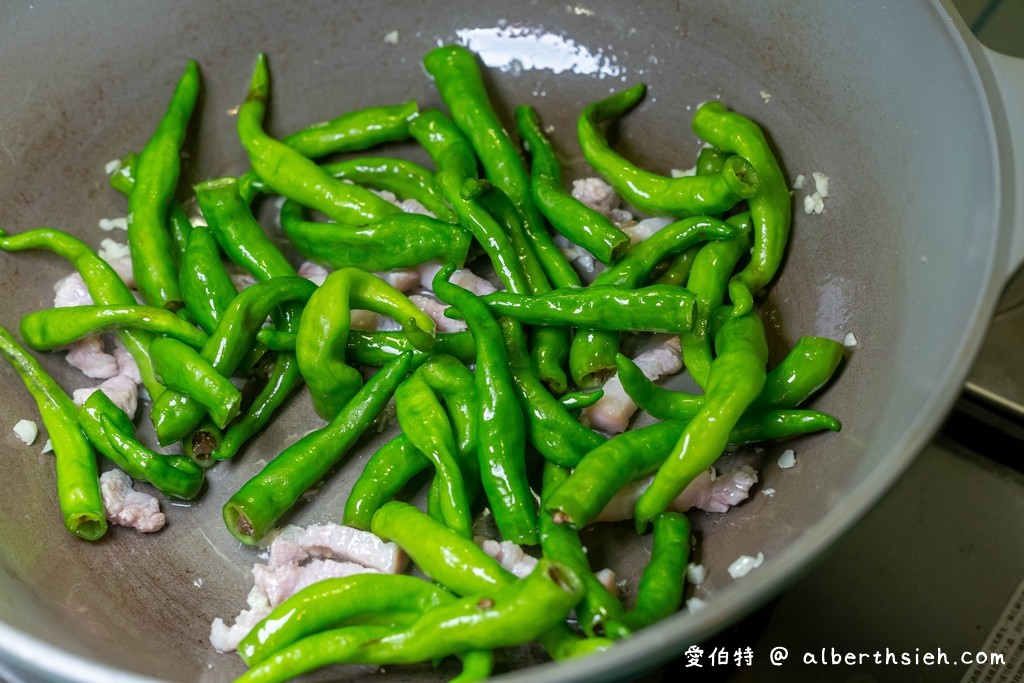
879	96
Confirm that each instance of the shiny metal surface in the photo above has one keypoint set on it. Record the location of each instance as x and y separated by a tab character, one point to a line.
916	197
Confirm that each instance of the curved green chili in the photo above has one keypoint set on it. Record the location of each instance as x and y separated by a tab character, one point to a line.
708	280
455	163
52	328
428	428
112	433
334	602
406	179
655	308
592	353
459	81
461	566
253	510
174	414
295	176
550	345
770	205
650	192
736	378
178	224
401	240
78	485
576	221
183	369
206	286
660	590
324	327
104	284
387	471
601	473
245	242
156	179
501	432
808	366
599	612
550	427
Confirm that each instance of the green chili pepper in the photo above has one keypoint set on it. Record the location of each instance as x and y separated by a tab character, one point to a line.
174	414
313	652
377	348
78	487
295	176
513	614
455	163
770	206
602	472
400	240
355	130
578	400
576	221
708	280
657	308
660	591
677	270
502	441
387	471
805	369
253	510
52	328
157	171
550	345
104	284
808	366
710	161
112	433
206	286
477	665
181	368
244	241
323	329
334	602
599	612
443	554
426	424
780	423
737	377
179	226
551	429
650	192
592	353
406	179
459	81
462	567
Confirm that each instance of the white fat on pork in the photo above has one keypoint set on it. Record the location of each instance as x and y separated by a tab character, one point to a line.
647	227
434	310
280	582
127	507
313	272
706	492
612	412
597	194
89	356
402	279
226	638
509	555
295	544
121	389
126	364
118	256
70	290
299	557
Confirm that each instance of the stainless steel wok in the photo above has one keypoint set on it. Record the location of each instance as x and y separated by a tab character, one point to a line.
920	129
